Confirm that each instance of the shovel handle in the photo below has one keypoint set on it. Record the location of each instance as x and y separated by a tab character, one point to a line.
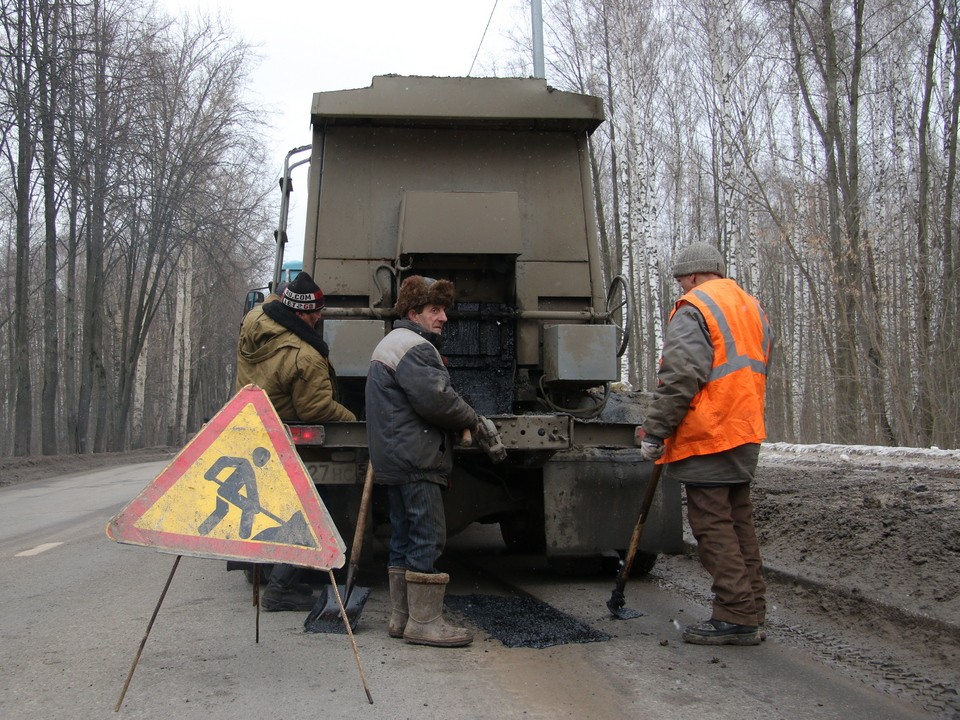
360	529
638	529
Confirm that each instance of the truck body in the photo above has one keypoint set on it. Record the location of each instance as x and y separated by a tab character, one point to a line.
485	182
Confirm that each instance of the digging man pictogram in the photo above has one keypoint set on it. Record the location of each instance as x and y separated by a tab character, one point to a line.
239	489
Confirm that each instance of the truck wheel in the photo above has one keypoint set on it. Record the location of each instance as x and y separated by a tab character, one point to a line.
642	563
523	534
577	565
586	565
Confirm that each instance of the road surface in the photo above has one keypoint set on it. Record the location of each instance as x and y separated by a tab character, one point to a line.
76	606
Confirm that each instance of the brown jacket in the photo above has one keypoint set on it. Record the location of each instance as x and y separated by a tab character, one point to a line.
300	382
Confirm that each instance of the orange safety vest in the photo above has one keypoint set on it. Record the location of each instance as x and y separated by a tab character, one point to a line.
728	410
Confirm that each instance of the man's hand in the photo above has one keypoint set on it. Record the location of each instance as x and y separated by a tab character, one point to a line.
488	438
651	448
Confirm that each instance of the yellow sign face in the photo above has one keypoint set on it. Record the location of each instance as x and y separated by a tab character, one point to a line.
237	491
230	492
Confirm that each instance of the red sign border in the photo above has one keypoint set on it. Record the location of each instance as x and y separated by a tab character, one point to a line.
122	528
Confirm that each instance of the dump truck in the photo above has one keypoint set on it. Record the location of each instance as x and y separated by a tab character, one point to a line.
485	182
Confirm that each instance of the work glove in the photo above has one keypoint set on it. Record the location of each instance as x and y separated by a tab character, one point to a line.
651	448
488	438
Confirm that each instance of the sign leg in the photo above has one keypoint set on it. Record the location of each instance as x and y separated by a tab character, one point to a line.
256	600
143	642
346	623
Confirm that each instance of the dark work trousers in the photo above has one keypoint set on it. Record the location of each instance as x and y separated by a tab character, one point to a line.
419	525
721	518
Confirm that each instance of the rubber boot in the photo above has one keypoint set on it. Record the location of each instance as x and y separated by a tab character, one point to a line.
284	593
425	625
398	601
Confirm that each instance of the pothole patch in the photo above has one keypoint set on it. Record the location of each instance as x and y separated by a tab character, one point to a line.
523	621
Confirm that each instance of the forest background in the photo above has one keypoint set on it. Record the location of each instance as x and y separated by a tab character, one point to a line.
814	142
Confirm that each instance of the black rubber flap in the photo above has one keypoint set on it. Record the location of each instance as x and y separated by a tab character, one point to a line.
523	621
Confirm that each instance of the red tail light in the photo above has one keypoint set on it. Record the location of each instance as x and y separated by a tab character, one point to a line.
306	434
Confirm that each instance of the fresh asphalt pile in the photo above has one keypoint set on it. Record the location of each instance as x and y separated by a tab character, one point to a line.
522	621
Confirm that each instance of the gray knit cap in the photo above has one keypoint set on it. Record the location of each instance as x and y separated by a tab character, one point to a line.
698	258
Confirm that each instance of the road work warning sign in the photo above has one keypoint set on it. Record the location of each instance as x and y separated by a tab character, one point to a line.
237	491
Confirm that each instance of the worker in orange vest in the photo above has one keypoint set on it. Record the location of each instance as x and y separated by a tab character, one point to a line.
706	423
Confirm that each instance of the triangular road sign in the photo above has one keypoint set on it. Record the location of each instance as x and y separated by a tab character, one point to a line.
237	491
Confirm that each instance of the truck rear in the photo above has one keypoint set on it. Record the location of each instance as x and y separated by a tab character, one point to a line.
485	182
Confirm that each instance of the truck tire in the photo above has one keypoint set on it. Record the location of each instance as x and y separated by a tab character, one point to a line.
642	564
577	565
523	534
592	565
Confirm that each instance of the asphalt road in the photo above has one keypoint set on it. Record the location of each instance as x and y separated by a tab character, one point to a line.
75	607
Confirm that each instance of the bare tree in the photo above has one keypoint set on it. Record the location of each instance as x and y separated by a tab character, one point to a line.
816	140
146	149
193	129
19	84
47	49
924	297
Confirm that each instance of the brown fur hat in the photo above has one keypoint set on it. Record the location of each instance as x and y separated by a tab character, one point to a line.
417	291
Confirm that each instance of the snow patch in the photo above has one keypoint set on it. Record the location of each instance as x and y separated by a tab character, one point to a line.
846	452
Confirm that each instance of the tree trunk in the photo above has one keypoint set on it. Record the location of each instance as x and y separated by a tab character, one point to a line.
186	297
21	379
48	85
91	360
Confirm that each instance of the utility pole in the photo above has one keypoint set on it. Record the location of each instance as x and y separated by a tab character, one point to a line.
536	20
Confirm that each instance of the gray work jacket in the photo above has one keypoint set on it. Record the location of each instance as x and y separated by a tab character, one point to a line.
412	409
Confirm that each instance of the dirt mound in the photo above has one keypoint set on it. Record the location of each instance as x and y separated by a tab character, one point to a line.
882	525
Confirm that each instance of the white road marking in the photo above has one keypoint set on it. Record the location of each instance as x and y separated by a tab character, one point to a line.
38	549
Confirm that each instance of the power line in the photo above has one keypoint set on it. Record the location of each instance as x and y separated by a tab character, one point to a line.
489	19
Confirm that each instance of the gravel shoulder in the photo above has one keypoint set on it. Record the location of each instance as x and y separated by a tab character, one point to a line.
37	467
861	548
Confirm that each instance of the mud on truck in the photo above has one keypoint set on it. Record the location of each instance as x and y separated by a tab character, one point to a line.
485	182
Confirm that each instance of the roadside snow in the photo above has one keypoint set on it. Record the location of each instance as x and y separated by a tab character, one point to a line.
864	450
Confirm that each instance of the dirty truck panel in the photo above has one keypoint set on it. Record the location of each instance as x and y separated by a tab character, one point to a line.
486	182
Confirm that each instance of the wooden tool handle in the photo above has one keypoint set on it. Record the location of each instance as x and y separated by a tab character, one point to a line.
362	515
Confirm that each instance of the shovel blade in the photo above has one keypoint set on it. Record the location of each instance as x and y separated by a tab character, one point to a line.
325	616
625	613
616	606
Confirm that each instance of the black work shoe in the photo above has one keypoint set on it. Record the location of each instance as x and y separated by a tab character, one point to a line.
275	600
717	632
304	589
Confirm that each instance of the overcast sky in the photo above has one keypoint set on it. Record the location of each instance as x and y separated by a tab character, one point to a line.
310	46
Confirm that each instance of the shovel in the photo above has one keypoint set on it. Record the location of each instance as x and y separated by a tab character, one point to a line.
325	616
616	601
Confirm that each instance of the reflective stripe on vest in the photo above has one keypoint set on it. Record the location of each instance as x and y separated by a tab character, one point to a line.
735	360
